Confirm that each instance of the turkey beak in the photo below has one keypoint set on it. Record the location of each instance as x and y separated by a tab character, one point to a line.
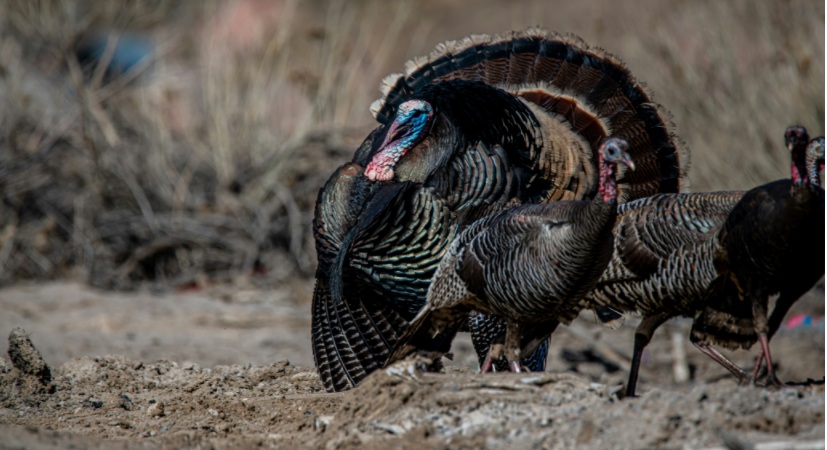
400	132
630	164
389	136
395	132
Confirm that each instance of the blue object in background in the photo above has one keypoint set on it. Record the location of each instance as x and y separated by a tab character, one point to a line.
131	50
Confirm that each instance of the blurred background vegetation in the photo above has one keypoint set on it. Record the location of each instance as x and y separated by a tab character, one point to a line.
183	142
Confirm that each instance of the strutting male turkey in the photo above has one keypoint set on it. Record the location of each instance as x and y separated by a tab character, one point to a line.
530	264
481	124
765	247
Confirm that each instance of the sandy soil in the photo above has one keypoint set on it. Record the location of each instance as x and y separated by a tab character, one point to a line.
231	367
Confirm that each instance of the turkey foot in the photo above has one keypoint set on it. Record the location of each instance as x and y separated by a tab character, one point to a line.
495	352
771	381
706	349
510	350
512	346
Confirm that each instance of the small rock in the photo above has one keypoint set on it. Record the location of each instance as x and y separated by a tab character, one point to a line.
280	364
156	409
126	402
734	442
390	428
27	358
304	376
320	423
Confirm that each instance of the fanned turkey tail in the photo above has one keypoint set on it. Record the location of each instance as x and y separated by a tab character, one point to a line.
579	94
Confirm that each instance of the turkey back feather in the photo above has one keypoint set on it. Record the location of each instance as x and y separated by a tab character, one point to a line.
661	258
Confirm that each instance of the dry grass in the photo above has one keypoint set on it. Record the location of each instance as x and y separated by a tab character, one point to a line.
204	162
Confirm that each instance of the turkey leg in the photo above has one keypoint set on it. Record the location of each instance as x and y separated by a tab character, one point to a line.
495	352
716	356
782	306
510	349
643	334
512	346
759	311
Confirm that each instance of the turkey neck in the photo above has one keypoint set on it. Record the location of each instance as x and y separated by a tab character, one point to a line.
812	172
607	186
798	171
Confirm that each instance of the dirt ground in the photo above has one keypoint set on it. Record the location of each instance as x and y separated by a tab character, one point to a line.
231	367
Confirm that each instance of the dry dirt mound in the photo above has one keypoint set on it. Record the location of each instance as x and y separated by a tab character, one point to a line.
90	400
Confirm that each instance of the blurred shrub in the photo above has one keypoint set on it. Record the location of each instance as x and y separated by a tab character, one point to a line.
206	167
203	159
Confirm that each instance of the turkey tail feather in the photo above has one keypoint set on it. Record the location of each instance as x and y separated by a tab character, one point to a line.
728	321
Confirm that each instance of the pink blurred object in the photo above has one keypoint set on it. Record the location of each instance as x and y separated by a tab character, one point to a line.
802	320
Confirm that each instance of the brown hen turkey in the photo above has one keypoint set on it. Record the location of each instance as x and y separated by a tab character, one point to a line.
661	263
530	264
